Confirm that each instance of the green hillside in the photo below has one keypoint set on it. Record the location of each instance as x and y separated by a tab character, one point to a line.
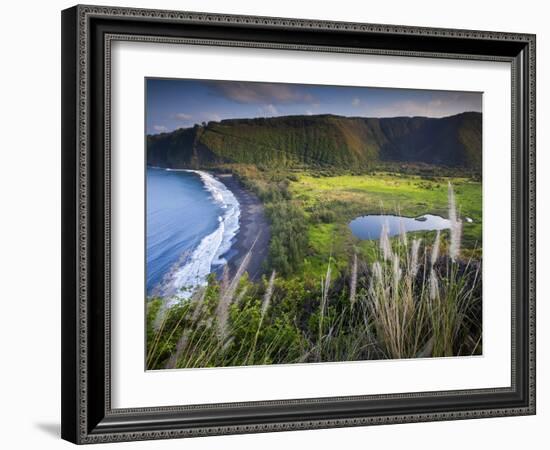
324	140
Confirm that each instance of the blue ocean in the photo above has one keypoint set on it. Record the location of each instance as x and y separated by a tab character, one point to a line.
192	220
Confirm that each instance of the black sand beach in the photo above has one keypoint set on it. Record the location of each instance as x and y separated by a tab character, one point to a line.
254	231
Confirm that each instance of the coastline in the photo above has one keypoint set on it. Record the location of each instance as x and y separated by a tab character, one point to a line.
254	229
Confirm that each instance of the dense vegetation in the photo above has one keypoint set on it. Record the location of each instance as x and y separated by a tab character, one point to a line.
289	225
323	141
310	212
408	301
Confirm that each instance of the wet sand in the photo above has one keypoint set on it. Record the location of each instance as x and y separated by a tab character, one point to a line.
254	230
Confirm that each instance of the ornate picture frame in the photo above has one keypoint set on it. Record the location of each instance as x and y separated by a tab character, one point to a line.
88	33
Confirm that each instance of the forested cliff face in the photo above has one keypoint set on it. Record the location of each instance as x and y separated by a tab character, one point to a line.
324	140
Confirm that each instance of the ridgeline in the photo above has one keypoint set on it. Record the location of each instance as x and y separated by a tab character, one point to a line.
323	141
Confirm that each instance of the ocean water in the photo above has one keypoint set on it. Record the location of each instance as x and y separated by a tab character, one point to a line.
370	227
192	221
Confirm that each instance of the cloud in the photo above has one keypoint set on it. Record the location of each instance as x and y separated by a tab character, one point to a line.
209	116
182	116
355	102
160	128
261	93
404	108
436	107
268	110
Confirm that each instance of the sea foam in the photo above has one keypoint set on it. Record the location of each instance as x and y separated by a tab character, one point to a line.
192	270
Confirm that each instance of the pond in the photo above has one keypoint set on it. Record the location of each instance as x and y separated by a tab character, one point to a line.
369	227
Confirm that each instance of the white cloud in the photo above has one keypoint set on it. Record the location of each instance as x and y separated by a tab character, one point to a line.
160	128
437	107
271	109
182	116
268	110
209	117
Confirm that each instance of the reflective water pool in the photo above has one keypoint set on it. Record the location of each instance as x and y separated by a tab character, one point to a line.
369	227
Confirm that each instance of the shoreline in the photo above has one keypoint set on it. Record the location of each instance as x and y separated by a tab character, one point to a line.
254	229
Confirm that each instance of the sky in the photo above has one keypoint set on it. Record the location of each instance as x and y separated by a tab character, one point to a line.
178	103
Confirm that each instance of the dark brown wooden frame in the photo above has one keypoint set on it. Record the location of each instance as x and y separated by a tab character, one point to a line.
87	32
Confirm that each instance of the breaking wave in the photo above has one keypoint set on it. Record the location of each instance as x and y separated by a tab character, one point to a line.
193	267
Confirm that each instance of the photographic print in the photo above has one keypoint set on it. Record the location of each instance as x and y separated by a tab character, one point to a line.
296	223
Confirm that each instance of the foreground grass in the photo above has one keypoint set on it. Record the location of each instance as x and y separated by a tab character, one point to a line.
395	308
410	298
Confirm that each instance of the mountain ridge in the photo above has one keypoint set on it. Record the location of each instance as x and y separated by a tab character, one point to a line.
323	140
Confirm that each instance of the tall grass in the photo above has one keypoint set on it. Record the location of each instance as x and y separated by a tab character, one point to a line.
413	298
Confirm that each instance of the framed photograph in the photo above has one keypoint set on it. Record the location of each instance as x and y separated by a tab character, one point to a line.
281	224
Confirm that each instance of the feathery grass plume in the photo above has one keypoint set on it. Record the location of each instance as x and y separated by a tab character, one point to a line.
456	235
173	330
413	267
268	293
180	346
198	299
222	315
324	296
451	202
456	225
227	344
377	271
353	281
403	232
385	244
396	271
435	248
158	333
161	315
224	282
265	305
434	284
226	298
325	287
241	295
166	305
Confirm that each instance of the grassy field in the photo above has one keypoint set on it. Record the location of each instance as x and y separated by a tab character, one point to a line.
329	296
332	202
390	193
